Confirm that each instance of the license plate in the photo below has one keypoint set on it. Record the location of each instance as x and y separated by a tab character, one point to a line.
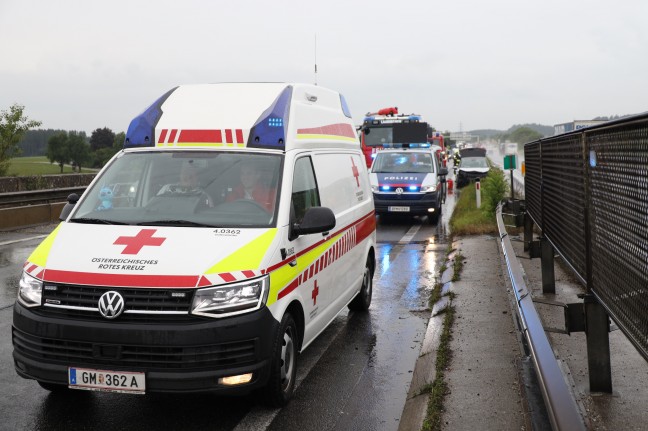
106	381
399	209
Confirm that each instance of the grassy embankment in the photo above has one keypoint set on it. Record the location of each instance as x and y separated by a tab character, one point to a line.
466	219
26	166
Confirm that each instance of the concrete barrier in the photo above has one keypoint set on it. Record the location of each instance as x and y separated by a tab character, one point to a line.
19	217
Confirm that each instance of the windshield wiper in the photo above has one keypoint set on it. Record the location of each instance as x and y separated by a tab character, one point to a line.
89	220
173	223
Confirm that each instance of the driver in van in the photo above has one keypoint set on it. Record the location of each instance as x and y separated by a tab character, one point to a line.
189	184
250	188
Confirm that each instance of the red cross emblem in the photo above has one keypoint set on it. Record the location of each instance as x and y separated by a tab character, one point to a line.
315	293
356	173
135	243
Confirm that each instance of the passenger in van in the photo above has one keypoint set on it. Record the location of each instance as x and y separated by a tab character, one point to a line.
251	188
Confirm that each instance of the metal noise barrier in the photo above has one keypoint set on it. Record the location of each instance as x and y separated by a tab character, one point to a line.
561	407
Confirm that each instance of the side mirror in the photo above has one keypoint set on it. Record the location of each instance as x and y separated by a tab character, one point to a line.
443	172
316	220
72	199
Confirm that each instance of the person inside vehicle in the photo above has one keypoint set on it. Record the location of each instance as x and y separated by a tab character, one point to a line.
251	188
189	184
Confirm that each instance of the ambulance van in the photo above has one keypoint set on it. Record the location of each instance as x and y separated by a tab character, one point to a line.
233	227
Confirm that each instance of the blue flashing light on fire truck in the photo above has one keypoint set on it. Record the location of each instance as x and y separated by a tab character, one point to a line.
388	129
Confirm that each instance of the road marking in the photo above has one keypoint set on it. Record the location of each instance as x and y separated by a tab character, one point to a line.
410	234
23	239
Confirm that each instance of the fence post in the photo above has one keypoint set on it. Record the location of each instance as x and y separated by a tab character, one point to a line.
597	331
547	266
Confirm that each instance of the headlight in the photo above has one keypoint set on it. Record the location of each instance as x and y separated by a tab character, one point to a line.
30	290
428	189
374	189
231	299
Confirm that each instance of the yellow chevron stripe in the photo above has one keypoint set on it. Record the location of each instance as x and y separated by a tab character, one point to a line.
39	256
247	257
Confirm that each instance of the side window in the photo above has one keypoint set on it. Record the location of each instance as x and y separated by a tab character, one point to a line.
304	189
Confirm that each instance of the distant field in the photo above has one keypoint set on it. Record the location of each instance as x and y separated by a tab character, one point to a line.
24	166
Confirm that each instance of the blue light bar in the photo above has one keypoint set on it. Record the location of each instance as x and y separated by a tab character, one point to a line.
385	188
345	107
413	188
269	131
141	131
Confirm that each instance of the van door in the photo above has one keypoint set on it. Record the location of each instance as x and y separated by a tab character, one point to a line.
317	281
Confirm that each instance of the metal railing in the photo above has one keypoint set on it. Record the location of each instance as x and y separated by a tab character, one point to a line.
587	191
561	407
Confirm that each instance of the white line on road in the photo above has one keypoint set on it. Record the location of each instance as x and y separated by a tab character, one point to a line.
410	234
22	239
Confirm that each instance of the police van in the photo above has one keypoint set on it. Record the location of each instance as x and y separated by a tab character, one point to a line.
233	227
408	180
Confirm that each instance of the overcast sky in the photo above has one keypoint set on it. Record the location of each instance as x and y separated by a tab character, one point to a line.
469	64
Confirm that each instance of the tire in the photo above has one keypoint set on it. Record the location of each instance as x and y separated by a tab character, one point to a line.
436	215
362	301
53	387
283	368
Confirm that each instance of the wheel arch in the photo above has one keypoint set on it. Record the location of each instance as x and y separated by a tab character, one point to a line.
297	312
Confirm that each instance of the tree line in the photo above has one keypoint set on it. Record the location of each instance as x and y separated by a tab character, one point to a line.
61	147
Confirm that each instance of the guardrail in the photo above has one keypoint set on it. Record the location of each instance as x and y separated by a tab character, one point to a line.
587	191
561	407
29	208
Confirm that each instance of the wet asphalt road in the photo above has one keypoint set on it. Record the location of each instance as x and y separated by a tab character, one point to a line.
355	376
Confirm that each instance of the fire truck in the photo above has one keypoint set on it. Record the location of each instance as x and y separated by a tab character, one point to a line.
387	128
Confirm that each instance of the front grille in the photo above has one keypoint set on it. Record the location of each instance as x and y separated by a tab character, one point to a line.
141	305
404	196
210	356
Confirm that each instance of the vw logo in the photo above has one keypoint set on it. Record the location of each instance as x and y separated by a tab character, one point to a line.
399	191
111	304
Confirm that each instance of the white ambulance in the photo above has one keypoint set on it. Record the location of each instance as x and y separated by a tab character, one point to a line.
233	227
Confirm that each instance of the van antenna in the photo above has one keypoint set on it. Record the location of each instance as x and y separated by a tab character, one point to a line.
315	58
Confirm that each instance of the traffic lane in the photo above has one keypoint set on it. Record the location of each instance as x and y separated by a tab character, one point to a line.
362	380
380	349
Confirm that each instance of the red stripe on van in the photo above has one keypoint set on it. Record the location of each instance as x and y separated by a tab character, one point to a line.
340	129
206	136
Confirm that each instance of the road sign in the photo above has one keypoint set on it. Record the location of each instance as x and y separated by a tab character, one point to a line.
509	161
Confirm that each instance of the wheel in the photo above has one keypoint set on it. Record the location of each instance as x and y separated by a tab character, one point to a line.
53	387
435	216
283	369
362	301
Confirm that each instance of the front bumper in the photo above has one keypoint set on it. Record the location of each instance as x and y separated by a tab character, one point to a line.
418	203
180	357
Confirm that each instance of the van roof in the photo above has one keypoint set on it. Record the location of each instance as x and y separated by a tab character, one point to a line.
278	116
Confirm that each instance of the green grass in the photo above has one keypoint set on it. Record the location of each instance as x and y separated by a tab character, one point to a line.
439	388
466	218
26	166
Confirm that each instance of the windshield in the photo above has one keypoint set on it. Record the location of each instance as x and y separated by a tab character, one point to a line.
378	135
403	162
185	188
474	162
